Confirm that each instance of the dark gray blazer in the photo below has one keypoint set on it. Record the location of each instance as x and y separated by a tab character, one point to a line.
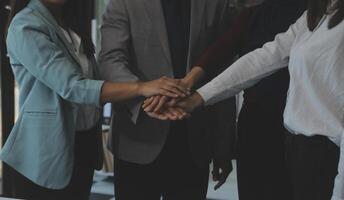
135	47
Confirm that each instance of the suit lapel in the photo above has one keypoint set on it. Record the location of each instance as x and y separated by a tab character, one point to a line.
155	12
45	15
197	16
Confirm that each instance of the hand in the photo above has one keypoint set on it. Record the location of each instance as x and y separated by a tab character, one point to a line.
194	76
221	172
164	86
190	103
170	113
157	103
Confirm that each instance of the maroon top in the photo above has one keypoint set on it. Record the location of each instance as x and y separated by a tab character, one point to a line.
226	47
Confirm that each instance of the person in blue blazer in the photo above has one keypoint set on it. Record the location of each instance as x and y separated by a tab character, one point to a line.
53	148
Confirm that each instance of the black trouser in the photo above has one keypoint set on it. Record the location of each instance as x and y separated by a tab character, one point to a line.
261	167
313	165
82	178
172	175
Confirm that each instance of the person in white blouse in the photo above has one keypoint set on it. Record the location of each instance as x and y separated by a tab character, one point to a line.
313	48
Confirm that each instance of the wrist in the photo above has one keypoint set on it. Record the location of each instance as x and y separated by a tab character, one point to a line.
197	100
194	76
138	88
189	82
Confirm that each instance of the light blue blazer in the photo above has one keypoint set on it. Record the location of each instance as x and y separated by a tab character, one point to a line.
41	144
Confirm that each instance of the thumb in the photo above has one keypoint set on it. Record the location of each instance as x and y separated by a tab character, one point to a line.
216	173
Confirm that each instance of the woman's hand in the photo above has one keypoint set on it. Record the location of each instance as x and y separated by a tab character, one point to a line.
164	86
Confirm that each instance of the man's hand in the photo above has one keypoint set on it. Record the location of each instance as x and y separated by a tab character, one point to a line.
221	172
189	104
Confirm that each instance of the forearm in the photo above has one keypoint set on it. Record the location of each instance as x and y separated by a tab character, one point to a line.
226	47
115	92
194	76
254	66
241	75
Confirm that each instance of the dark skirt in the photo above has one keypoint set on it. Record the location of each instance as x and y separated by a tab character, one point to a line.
82	177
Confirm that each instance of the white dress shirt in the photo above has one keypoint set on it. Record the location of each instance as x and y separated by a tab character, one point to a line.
88	115
315	102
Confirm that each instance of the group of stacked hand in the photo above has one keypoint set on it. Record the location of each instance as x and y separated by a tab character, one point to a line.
177	103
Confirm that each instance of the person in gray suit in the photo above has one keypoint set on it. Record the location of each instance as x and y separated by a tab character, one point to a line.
145	40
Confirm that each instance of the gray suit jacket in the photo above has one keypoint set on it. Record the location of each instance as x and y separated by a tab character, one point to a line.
135	47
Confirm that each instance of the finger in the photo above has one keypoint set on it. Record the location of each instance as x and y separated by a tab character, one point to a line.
168	93
151	106
171	115
146	107
178	84
222	179
150	99
147	102
173	89
161	103
177	113
215	174
173	102
219	184
163	117
167	115
182	113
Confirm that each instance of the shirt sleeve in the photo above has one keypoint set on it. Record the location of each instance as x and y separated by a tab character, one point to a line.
227	46
114	55
254	66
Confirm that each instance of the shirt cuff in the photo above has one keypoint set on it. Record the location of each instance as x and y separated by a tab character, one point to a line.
208	92
97	86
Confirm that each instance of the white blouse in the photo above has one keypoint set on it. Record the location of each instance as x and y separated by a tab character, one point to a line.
315	103
88	115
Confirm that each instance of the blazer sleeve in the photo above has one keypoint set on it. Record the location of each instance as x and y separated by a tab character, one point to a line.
114	54
254	66
30	44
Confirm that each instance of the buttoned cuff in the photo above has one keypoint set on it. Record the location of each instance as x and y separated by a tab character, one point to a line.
208	92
